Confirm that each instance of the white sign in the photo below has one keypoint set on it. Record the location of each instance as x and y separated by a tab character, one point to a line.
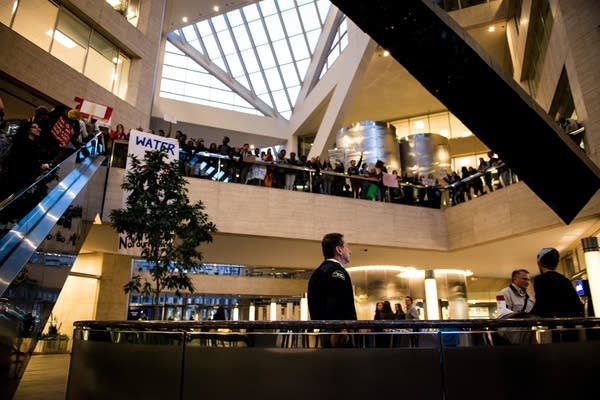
139	144
170	118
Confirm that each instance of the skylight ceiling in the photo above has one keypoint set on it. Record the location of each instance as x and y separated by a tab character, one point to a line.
253	59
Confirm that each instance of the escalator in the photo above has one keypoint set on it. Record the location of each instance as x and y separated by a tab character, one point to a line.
42	229
426	41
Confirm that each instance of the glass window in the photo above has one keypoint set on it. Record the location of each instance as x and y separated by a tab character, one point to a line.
274	26
310	18
122	76
7	10
323	6
237	70
267	7
211	46
226	42
274	79
458	129
100	69
189	33
241	37
440	123
289	75
219	23
280	57
258	33
282	51
250	61
234	18
419	124
204	28
281	101
299	47
71	39
266	56
251	13
34	20
292	23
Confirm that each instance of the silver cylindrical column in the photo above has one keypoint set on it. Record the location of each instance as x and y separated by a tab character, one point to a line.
377	141
425	153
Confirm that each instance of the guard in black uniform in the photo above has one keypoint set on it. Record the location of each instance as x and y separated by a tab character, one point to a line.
330	293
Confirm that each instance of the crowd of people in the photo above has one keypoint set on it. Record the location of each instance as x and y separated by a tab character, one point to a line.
40	142
358	179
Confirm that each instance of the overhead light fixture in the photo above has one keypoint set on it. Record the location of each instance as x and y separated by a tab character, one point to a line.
215	8
386	53
492	29
184	19
61	38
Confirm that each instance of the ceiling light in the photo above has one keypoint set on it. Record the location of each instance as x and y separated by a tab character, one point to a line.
492	28
386	53
215	8
184	19
61	38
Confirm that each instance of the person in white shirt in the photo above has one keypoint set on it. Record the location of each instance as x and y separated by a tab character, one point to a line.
516	296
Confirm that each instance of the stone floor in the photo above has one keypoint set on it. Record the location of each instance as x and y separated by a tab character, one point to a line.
45	378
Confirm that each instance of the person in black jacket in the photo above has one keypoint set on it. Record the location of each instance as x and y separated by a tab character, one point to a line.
330	293
555	295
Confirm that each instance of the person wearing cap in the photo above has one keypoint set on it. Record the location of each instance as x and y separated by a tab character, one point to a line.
555	295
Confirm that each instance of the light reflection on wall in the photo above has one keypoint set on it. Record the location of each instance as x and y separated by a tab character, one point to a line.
373	283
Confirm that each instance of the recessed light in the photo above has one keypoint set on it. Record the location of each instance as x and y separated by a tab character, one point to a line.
492	28
184	19
386	53
215	8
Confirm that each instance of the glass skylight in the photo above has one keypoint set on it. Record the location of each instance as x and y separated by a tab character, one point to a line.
260	54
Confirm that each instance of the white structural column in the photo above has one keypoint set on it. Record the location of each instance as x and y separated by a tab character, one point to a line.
592	261
252	312
431	296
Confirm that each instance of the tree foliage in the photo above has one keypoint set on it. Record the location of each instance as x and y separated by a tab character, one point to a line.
161	221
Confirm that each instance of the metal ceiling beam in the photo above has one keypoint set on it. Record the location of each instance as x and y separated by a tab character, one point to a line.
451	66
221	75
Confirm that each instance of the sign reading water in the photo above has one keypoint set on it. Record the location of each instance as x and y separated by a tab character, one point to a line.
139	144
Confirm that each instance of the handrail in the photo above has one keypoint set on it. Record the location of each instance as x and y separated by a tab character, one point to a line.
189	326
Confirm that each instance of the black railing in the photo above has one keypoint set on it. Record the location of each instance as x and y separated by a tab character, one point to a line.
205	165
350	360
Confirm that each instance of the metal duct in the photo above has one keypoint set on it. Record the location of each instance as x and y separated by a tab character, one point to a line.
376	139
425	153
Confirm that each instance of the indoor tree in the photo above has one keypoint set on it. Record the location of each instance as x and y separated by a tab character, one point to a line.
162	223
